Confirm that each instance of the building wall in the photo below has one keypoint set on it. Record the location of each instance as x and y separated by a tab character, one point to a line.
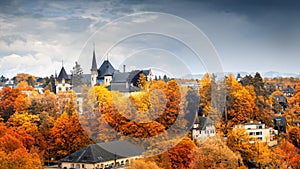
63	87
94	75
102	165
258	130
199	134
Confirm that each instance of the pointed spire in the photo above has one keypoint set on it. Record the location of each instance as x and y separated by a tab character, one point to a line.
94	63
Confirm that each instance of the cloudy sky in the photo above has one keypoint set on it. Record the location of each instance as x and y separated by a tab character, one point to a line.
248	35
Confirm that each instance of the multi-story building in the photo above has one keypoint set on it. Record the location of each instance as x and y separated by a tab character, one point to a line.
259	131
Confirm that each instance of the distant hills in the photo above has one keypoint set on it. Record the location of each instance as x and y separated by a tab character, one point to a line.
269	74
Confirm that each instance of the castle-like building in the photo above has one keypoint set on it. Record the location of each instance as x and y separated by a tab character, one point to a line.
106	75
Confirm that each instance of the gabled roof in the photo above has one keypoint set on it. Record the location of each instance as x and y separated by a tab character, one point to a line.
146	72
63	75
281	98
102	152
203	122
106	67
120	77
121	87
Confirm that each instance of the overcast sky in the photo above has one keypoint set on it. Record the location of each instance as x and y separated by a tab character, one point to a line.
248	35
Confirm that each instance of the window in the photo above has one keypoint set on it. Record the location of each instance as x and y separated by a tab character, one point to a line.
82	165
260	127
251	133
260	138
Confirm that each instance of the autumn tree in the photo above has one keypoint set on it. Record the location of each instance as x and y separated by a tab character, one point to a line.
13	154
142	81
77	75
26	125
214	153
142	164
241	107
239	141
25	77
288	154
67	136
205	94
11	100
177	156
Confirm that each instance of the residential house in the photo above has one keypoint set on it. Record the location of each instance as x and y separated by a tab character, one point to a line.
203	127
280	124
63	81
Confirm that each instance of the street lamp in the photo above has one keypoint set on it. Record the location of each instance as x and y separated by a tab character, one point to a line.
48	143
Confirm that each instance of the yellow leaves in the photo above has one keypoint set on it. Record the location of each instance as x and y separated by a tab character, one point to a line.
213	153
241	107
21	159
23	86
142	164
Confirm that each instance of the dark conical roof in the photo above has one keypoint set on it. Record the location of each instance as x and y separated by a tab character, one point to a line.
94	63
105	68
63	74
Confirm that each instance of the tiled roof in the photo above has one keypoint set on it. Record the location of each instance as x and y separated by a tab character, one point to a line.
102	152
63	75
203	122
106	67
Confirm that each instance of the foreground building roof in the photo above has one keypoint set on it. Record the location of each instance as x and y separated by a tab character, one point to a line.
96	153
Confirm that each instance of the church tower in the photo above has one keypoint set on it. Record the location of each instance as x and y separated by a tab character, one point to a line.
94	71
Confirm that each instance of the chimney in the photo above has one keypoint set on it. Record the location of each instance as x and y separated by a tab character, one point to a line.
124	68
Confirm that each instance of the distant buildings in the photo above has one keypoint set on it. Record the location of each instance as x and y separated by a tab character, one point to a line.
106	75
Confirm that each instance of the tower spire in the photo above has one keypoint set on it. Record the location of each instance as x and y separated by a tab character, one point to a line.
94	63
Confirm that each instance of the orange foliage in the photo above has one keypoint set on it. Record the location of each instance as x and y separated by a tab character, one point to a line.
67	136
288	154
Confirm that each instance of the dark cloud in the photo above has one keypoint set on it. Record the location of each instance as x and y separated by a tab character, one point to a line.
250	35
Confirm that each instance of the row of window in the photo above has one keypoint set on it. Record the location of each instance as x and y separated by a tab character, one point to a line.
207	132
255	133
100	166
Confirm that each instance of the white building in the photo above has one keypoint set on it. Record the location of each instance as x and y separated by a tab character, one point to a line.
63	81
259	131
104	155
203	127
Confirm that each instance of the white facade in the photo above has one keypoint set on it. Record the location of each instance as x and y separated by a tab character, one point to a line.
94	75
63	86
203	128
107	80
259	131
107	164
